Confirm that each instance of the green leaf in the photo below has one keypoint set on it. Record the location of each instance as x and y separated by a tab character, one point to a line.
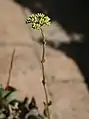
6	95
1	86
10	94
45	112
1	92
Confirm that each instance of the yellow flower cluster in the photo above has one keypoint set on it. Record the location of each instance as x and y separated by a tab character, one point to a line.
38	20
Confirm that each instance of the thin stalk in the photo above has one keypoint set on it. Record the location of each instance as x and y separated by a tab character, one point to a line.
10	69
43	72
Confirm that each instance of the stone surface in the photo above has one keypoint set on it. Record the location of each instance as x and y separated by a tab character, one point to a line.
65	82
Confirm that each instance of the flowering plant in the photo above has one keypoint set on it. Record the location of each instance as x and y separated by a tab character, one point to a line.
38	20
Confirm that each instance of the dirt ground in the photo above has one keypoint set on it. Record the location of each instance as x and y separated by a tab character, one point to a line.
65	84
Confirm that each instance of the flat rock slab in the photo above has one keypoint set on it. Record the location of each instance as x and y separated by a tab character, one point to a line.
65	82
26	74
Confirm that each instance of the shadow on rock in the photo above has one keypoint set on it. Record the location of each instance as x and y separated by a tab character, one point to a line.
73	16
78	51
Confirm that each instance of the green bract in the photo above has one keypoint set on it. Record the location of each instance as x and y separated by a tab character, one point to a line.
38	20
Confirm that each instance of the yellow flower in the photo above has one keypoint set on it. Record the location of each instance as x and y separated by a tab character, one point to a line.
38	20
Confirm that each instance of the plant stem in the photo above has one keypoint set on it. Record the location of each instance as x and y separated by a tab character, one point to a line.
43	72
10	69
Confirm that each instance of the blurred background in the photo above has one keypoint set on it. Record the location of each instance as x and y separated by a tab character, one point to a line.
67	54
